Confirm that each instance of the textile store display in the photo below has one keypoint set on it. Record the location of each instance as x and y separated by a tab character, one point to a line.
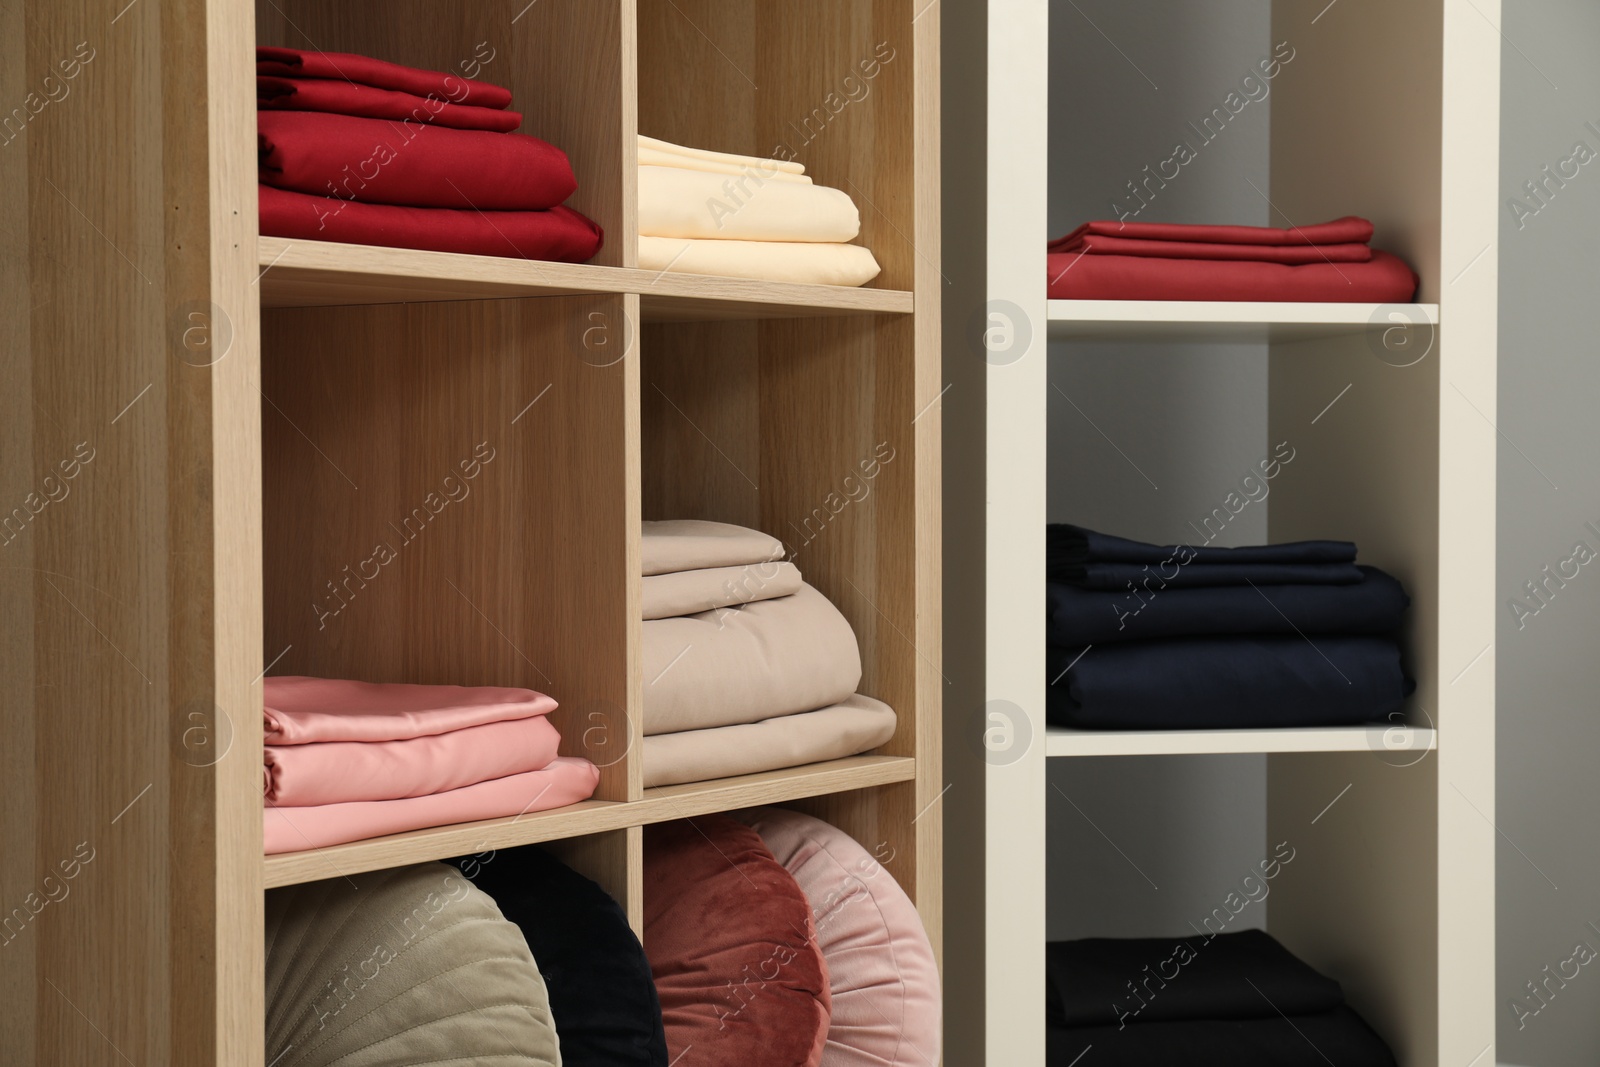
764	677
602	996
411	965
702	212
421	159
1331	261
380	161
349	98
347	760
1146	637
855	725
883	980
733	948
1216	1000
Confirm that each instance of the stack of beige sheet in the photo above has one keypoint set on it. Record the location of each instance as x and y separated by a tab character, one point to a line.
735	216
746	667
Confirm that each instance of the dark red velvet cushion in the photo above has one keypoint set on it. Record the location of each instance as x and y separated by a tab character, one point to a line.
733	948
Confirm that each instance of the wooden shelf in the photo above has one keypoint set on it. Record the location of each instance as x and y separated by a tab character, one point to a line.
588	817
1229	321
1380	739
325	274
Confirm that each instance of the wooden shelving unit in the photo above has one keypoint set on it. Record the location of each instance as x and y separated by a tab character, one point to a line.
1390	113
266	411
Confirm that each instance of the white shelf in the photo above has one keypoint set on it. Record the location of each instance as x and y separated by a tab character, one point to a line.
1226	321
1392	742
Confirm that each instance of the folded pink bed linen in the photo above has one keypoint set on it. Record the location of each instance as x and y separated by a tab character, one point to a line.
855	725
348	98
694	544
381	161
338	772
1346	230
691	592
301	710
566	780
742	665
1094	244
1382	280
365	70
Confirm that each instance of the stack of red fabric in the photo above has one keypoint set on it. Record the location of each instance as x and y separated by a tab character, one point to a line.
362	151
1168	261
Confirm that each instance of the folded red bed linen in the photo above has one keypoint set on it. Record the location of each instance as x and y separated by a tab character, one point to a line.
301	710
338	772
1096	245
1350	229
381	74
566	780
381	161
1382	280
349	98
559	234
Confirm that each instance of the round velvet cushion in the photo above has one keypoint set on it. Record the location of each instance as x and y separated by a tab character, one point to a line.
733	949
885	982
601	993
400	967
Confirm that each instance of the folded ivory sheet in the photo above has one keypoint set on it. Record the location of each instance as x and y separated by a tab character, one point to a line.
765	168
691	592
705	155
743	665
852	726
806	263
697	204
672	545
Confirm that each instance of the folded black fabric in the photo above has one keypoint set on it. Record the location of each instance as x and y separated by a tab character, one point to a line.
1067	544
602	996
1080	616
1225	683
1149	578
1120	981
1339	1037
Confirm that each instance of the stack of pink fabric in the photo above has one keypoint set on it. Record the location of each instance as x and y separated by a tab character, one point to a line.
345	761
1331	261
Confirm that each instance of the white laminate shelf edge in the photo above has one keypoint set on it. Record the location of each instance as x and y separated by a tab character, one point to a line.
1392	742
1234	321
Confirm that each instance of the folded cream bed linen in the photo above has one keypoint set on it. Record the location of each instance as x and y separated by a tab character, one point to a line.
672	545
674	202
691	592
850	727
742	665
706	155
807	263
650	157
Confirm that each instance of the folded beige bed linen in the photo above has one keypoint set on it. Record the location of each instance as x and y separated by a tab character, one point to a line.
675	202
671	545
742	665
708	156
691	592
807	263
848	728
649	157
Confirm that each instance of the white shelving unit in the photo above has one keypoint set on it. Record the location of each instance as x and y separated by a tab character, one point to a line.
1392	114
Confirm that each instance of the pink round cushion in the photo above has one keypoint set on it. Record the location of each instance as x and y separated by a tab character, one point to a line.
887	1006
735	959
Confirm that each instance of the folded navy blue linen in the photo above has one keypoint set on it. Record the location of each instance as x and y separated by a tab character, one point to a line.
1122	981
1068	545
1078	616
1337	1037
1225	683
1154	577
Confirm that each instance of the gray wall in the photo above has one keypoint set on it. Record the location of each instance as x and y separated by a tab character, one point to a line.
1145	439
1549	674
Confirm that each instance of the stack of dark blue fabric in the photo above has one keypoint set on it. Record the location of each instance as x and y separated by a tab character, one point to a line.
1146	637
1208	1001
